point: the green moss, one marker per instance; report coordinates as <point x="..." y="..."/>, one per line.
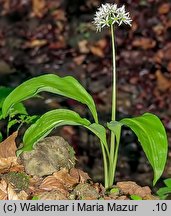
<point x="19" y="180"/>
<point x="114" y="191"/>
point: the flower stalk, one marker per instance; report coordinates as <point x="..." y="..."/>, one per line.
<point x="109" y="15"/>
<point x="113" y="117"/>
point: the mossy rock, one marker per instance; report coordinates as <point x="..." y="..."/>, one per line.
<point x="19" y="180"/>
<point x="84" y="191"/>
<point x="49" y="155"/>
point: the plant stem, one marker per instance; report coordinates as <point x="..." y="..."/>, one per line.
<point x="116" y="155"/>
<point x="105" y="166"/>
<point x="114" y="76"/>
<point x="113" y="117"/>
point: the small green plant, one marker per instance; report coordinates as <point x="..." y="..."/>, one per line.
<point x="164" y="192"/>
<point x="35" y="198"/>
<point x="135" y="197"/>
<point x="17" y="115"/>
<point x="148" y="127"/>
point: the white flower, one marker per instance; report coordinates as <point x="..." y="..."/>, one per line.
<point x="109" y="14"/>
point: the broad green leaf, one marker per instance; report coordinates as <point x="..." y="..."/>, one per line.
<point x="164" y="192"/>
<point x="47" y="122"/>
<point x="55" y="118"/>
<point x="168" y="182"/>
<point x="152" y="136"/>
<point x="17" y="108"/>
<point x="65" y="86"/>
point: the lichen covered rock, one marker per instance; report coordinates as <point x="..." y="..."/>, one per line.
<point x="84" y="192"/>
<point x="49" y="155"/>
<point x="19" y="180"/>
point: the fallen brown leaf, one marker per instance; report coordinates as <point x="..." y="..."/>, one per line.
<point x="3" y="190"/>
<point x="101" y="43"/>
<point x="131" y="188"/>
<point x="144" y="43"/>
<point x="79" y="59"/>
<point x="98" y="51"/>
<point x="51" y="195"/>
<point x="8" y="147"/>
<point x="163" y="83"/>
<point x="7" y="163"/>
<point x="159" y="29"/>
<point x="59" y="15"/>
<point x="34" y="183"/>
<point x="158" y="56"/>
<point x="164" y="8"/>
<point x="50" y="183"/>
<point x="64" y="177"/>
<point x="8" y="159"/>
<point x="60" y="44"/>
<point x="167" y="52"/>
<point x="16" y="167"/>
<point x="13" y="195"/>
<point x="78" y="174"/>
<point x="83" y="46"/>
<point x="35" y="43"/>
<point x="38" y="7"/>
<point x="98" y="48"/>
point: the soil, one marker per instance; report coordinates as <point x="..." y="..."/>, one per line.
<point x="38" y="37"/>
<point x="48" y="173"/>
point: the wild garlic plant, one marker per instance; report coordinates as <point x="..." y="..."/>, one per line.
<point x="148" y="127"/>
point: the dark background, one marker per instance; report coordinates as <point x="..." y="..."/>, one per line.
<point x="57" y="36"/>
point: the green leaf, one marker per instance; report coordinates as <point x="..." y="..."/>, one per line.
<point x="114" y="191"/>
<point x="11" y="123"/>
<point x="168" y="182"/>
<point x="152" y="136"/>
<point x="165" y="191"/>
<point x="115" y="127"/>
<point x="65" y="86"/>
<point x="1" y="117"/>
<point x="17" y="108"/>
<point x="47" y="122"/>
<point x="35" y="198"/>
<point x="1" y="137"/>
<point x="28" y="119"/>
<point x="55" y="118"/>
<point x="135" y="197"/>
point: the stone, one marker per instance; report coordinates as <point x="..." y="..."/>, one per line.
<point x="84" y="192"/>
<point x="49" y="155"/>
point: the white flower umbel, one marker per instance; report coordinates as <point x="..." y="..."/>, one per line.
<point x="109" y="14"/>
